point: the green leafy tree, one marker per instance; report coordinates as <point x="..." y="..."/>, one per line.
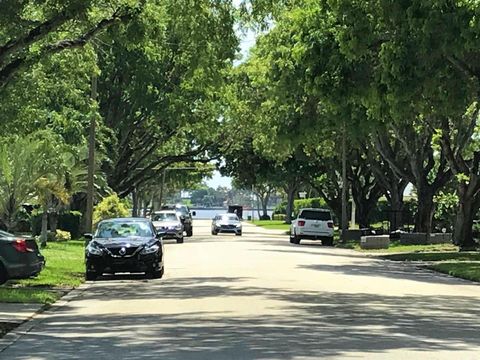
<point x="30" y="30"/>
<point x="158" y="87"/>
<point x="110" y="207"/>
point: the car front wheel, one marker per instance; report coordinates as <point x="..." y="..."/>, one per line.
<point x="180" y="240"/>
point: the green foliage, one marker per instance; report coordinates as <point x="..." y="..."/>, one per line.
<point x="30" y="170"/>
<point x="110" y="207"/>
<point x="276" y="216"/>
<point x="61" y="235"/>
<point x="446" y="205"/>
<point x="70" y="221"/>
<point x="300" y="204"/>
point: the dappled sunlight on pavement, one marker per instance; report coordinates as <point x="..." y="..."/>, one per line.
<point x="259" y="297"/>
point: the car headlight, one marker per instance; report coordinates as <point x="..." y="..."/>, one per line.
<point x="94" y="249"/>
<point x="150" y="249"/>
<point x="238" y="225"/>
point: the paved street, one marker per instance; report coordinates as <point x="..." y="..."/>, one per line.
<point x="259" y="297"/>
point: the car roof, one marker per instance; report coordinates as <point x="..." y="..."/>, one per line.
<point x="172" y="211"/>
<point x="127" y="219"/>
<point x="315" y="209"/>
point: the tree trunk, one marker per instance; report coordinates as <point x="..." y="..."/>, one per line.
<point x="291" y="197"/>
<point x="467" y="209"/>
<point x="53" y="220"/>
<point x="396" y="205"/>
<point x="425" y="209"/>
<point x="135" y="203"/>
<point x="44" y="232"/>
<point x="265" y="204"/>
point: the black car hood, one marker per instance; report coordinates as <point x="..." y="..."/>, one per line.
<point x="123" y="242"/>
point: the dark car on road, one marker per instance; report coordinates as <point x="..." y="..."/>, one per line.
<point x="20" y="258"/>
<point x="168" y="224"/>
<point x="124" y="245"/>
<point x="185" y="216"/>
<point x="226" y="223"/>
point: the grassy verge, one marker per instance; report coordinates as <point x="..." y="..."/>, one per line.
<point x="465" y="265"/>
<point x="396" y="247"/>
<point x="64" y="270"/>
<point x="462" y="269"/>
<point x="272" y="224"/>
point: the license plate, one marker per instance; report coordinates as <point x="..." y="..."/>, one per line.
<point x="315" y="225"/>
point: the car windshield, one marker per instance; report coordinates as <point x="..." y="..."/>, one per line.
<point x="165" y="217"/>
<point x="315" y="215"/>
<point x="230" y="217"/>
<point x="116" y="229"/>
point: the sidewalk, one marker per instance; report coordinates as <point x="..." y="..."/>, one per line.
<point x="17" y="313"/>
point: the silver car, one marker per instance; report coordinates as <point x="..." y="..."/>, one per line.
<point x="168" y="224"/>
<point x="226" y="223"/>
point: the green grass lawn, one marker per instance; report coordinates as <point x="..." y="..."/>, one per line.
<point x="465" y="265"/>
<point x="272" y="224"/>
<point x="396" y="247"/>
<point x="64" y="270"/>
<point x="461" y="269"/>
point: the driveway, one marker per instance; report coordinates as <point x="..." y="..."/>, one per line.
<point x="259" y="297"/>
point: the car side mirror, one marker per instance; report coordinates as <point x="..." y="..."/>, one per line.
<point x="88" y="236"/>
<point x="194" y="213"/>
<point x="159" y="236"/>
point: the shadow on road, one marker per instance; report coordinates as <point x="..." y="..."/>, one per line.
<point x="312" y="324"/>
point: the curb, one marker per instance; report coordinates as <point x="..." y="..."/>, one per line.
<point x="26" y="326"/>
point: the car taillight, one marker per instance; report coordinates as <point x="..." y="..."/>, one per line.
<point x="301" y="223"/>
<point x="330" y="225"/>
<point x="21" y="246"/>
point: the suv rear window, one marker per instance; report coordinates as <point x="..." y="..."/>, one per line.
<point x="315" y="215"/>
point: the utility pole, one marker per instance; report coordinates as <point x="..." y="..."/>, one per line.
<point x="91" y="161"/>
<point x="344" y="183"/>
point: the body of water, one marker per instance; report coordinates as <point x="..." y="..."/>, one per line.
<point x="210" y="213"/>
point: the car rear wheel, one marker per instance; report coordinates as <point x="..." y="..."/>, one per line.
<point x="327" y="241"/>
<point x="190" y="232"/>
<point x="91" y="276"/>
<point x="294" y="239"/>
<point x="3" y="274"/>
<point x="214" y="232"/>
<point x="238" y="234"/>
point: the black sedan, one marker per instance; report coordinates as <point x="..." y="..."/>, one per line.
<point x="124" y="245"/>
<point x="19" y="257"/>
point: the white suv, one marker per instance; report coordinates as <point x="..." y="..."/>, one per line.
<point x="313" y="224"/>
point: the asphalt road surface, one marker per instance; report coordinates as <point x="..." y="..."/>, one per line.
<point x="259" y="297"/>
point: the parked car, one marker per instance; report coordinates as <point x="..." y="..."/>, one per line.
<point x="185" y="216"/>
<point x="124" y="245"/>
<point x="226" y="223"/>
<point x="168" y="224"/>
<point x="20" y="258"/>
<point x="312" y="224"/>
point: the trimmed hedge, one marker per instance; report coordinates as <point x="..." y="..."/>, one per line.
<point x="298" y="204"/>
<point x="69" y="221"/>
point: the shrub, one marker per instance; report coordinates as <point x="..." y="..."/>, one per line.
<point x="110" y="207"/>
<point x="280" y="217"/>
<point x="70" y="221"/>
<point x="63" y="235"/>
<point x="308" y="203"/>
